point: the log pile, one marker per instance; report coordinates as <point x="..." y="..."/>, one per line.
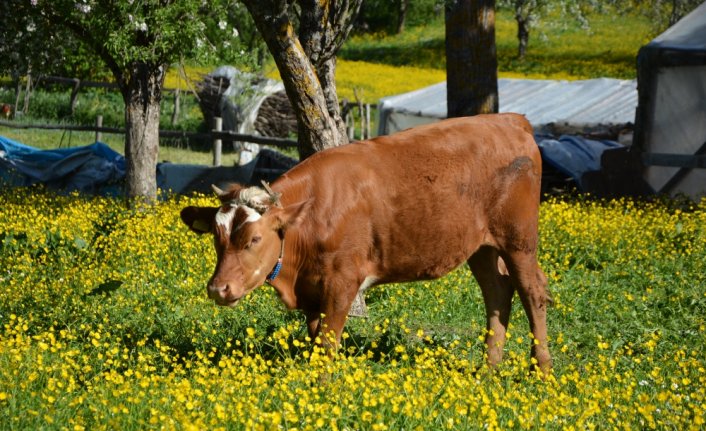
<point x="275" y="117"/>
<point x="210" y="91"/>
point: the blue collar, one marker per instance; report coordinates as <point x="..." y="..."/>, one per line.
<point x="278" y="266"/>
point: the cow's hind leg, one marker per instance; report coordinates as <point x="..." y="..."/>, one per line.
<point x="497" y="294"/>
<point x="530" y="283"/>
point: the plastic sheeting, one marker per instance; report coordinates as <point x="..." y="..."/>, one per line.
<point x="671" y="114"/>
<point x="574" y="155"/>
<point x="584" y="103"/>
<point x="85" y="169"/>
<point x="97" y="169"/>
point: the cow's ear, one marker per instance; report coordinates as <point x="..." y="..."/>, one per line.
<point x="199" y="219"/>
<point x="291" y="215"/>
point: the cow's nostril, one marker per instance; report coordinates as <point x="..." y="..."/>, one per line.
<point x="218" y="289"/>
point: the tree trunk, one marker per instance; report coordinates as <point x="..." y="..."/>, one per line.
<point x="471" y="62"/>
<point x="522" y="35"/>
<point x="327" y="77"/>
<point x="402" y="15"/>
<point x="317" y="129"/>
<point x="142" y="94"/>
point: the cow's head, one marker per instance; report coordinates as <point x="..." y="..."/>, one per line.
<point x="248" y="230"/>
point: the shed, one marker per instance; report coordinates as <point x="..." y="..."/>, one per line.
<point x="670" y="121"/>
<point x="582" y="104"/>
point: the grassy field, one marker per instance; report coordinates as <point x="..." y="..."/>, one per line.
<point x="105" y="324"/>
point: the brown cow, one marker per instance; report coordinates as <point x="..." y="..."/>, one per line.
<point x="411" y="206"/>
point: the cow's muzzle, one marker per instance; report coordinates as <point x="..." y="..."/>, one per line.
<point x="222" y="294"/>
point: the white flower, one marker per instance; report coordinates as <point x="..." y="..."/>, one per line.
<point x="235" y="32"/>
<point x="85" y="8"/>
<point x="141" y="26"/>
<point x="222" y="25"/>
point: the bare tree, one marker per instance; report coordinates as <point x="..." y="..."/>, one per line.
<point x="403" y="7"/>
<point x="471" y="60"/>
<point x="306" y="60"/>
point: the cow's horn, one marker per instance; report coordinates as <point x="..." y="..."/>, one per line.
<point x="217" y="191"/>
<point x="274" y="197"/>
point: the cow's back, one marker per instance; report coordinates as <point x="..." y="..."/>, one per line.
<point x="418" y="203"/>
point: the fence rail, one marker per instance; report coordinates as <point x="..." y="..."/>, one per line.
<point x="216" y="136"/>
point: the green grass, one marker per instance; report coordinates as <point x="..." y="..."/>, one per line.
<point x="173" y="152"/>
<point x="105" y="324"/>
<point x="557" y="49"/>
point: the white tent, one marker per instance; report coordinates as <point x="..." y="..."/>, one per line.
<point x="670" y="123"/>
<point x="585" y="103"/>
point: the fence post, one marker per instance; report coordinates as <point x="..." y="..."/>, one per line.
<point x="217" y="143"/>
<point x="177" y="102"/>
<point x="99" y="124"/>
<point x="74" y="95"/>
<point x="367" y="121"/>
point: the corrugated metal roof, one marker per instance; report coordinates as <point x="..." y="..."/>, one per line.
<point x="603" y="101"/>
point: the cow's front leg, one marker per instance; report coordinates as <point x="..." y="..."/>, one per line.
<point x="335" y="305"/>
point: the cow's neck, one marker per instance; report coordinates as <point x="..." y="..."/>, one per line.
<point x="286" y="278"/>
<point x="292" y="254"/>
<point x="278" y="266"/>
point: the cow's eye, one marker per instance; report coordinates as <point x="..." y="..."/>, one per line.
<point x="255" y="240"/>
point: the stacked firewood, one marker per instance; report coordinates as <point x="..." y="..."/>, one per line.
<point x="276" y="117"/>
<point x="210" y="91"/>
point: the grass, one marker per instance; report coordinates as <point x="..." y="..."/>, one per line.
<point x="559" y="48"/>
<point x="104" y="324"/>
<point x="50" y="139"/>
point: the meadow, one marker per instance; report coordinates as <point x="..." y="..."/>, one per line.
<point x="105" y="324"/>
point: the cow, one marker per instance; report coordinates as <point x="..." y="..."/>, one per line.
<point x="409" y="206"/>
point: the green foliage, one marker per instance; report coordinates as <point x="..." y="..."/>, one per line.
<point x="383" y="15"/>
<point x="89" y="39"/>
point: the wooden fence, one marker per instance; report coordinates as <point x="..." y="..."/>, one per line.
<point x="216" y="135"/>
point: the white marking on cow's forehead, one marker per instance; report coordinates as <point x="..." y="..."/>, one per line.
<point x="252" y="216"/>
<point x="254" y="201"/>
<point x="224" y="218"/>
<point x="226" y="215"/>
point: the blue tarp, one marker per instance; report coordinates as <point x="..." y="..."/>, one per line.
<point x="98" y="169"/>
<point x="85" y="169"/>
<point x="574" y="155"/>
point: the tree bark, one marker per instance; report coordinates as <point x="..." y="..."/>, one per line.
<point x="402" y="15"/>
<point x="471" y="61"/>
<point x="307" y="63"/>
<point x="522" y="35"/>
<point x="142" y="94"/>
